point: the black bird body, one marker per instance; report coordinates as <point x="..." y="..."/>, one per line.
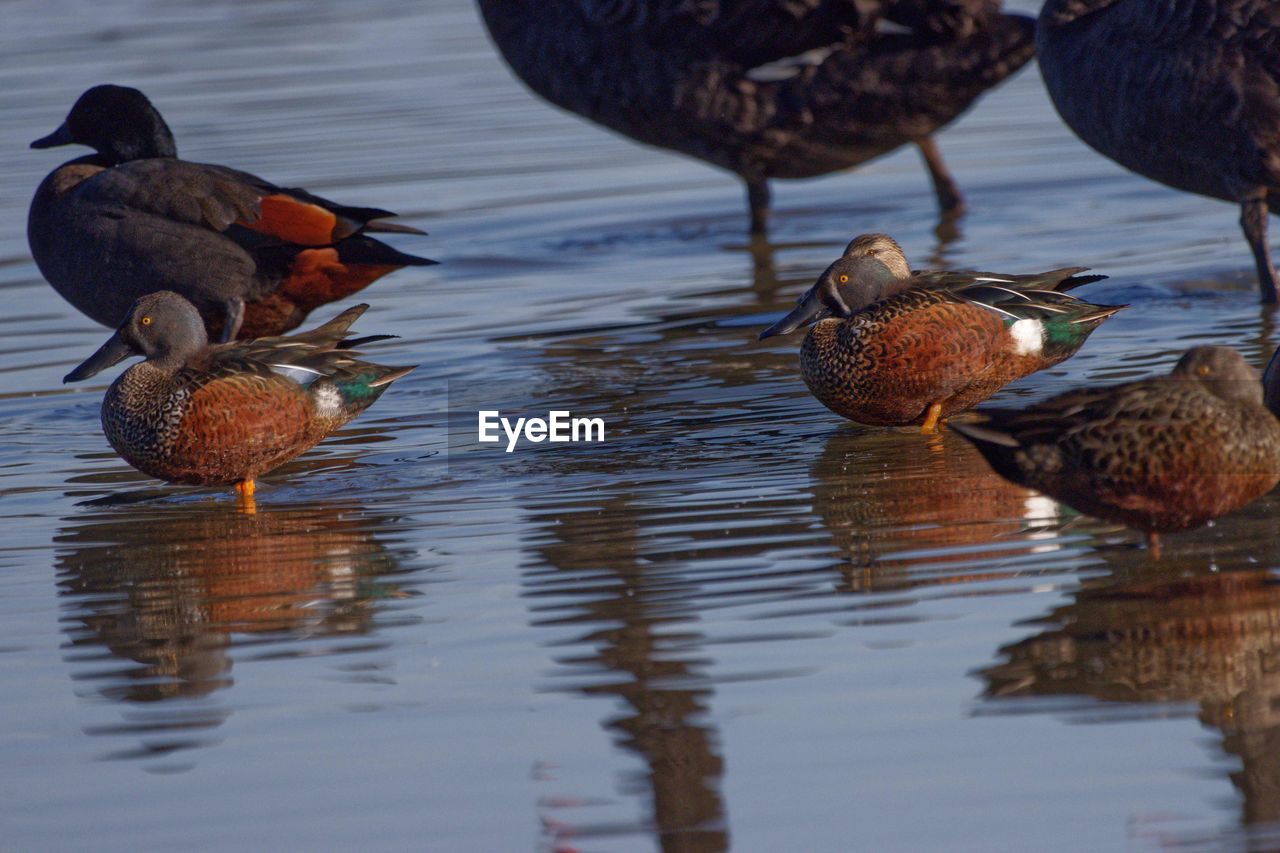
<point x="131" y="219"/>
<point x="688" y="76"/>
<point x="1184" y="92"/>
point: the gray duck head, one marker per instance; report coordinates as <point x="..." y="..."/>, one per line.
<point x="163" y="327"/>
<point x="872" y="267"/>
<point x="1223" y="372"/>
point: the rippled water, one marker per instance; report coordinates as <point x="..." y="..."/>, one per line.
<point x="738" y="622"/>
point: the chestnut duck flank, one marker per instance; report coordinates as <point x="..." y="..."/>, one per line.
<point x="132" y="219"/>
<point x="892" y="347"/>
<point x="767" y="88"/>
<point x="1184" y="92"/>
<point x="1159" y="455"/>
<point x="218" y="414"/>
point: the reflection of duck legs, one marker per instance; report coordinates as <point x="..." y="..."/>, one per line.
<point x="1145" y="635"/>
<point x="169" y="588"/>
<point x="939" y="499"/>
<point x="656" y="665"/>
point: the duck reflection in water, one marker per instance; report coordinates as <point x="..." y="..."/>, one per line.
<point x="935" y="515"/>
<point x="174" y="591"/>
<point x="630" y="611"/>
<point x="1206" y="630"/>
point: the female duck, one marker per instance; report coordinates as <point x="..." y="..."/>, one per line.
<point x="132" y="219"/>
<point x="1185" y="92"/>
<point x="766" y="88"/>
<point x="1160" y="455"/>
<point x="214" y="415"/>
<point x="890" y="347"/>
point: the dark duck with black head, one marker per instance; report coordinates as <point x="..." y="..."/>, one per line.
<point x="132" y="219"/>
<point x="1184" y="92"/>
<point x="767" y="88"/>
<point x="893" y="347"/>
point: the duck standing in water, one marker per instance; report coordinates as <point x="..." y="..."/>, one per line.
<point x="1159" y="455"/>
<point x="1184" y="92"/>
<point x="892" y="347"/>
<point x="133" y="219"/>
<point x="223" y="414"/>
<point x="694" y="77"/>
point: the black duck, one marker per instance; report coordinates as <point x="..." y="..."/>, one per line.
<point x="1185" y="92"/>
<point x="702" y="77"/>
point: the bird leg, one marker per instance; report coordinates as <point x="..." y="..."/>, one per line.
<point x="931" y="418"/>
<point x="1153" y="544"/>
<point x="245" y="489"/>
<point x="1253" y="221"/>
<point x="950" y="201"/>
<point x="758" y="201"/>
<point x="231" y="324"/>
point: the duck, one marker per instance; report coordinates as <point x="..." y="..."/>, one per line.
<point x="767" y="88"/>
<point x="1159" y="455"/>
<point x="891" y="347"/>
<point x="132" y="219"/>
<point x="197" y="413"/>
<point x="1184" y="92"/>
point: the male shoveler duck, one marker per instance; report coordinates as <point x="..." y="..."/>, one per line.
<point x="767" y="88"/>
<point x="215" y="415"/>
<point x="1184" y="92"/>
<point x="1160" y="455"/>
<point x="132" y="219"/>
<point x="892" y="347"/>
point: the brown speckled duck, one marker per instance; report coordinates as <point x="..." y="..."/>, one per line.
<point x="766" y="88"/>
<point x="1160" y="455"/>
<point x="132" y="219"/>
<point x="892" y="347"/>
<point x="214" y="415"/>
<point x="1185" y="92"/>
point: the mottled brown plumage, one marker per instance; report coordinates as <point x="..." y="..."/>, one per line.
<point x="1160" y="455"/>
<point x="723" y="80"/>
<point x="1185" y="92"/>
<point x="890" y="347"/>
<point x="211" y="415"/>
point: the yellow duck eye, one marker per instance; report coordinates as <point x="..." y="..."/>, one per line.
<point x="146" y="321"/>
<point x="1203" y="370"/>
<point x="843" y="279"/>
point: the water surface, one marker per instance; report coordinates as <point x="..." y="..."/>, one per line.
<point x="738" y="622"/>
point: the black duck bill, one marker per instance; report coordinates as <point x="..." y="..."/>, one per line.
<point x="816" y="304"/>
<point x="847" y="286"/>
<point x="114" y="351"/>
<point x="61" y="136"/>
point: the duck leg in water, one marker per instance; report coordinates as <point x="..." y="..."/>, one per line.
<point x="950" y="201"/>
<point x="1253" y="221"/>
<point x="758" y="201"/>
<point x="931" y="418"/>
<point x="245" y="490"/>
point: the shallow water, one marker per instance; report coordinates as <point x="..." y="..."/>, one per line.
<point x="738" y="622"/>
